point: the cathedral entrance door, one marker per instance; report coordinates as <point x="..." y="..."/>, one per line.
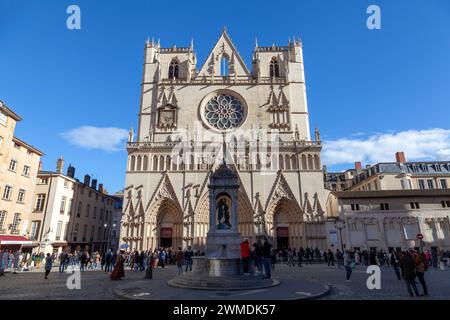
<point x="282" y="237"/>
<point x="166" y="237"/>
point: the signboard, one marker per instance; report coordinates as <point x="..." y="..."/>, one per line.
<point x="419" y="236"/>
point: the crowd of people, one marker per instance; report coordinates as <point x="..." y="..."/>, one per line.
<point x="260" y="257"/>
<point x="408" y="265"/>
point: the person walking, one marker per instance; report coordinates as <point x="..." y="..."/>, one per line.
<point x="118" y="272"/>
<point x="394" y="261"/>
<point x="2" y="265"/>
<point x="339" y="258"/>
<point x="179" y="260"/>
<point x="108" y="260"/>
<point x="103" y="261"/>
<point x="267" y="254"/>
<point x="245" y="255"/>
<point x="300" y="254"/>
<point x="150" y="265"/>
<point x="258" y="254"/>
<point x="62" y="261"/>
<point x="83" y="261"/>
<point x="330" y="257"/>
<point x="188" y="254"/>
<point x="347" y="265"/>
<point x="409" y="273"/>
<point x="420" y="261"/>
<point x="48" y="265"/>
<point x="162" y="258"/>
<point x="16" y="261"/>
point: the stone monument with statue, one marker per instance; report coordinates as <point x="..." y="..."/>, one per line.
<point x="220" y="268"/>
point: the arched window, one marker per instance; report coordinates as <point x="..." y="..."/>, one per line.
<point x="287" y="161"/>
<point x="310" y="162"/>
<point x="294" y="162"/>
<point x="155" y="163"/>
<point x="161" y="163"/>
<point x="316" y="162"/>
<point x="192" y="163"/>
<point x="224" y="66"/>
<point x="173" y="69"/>
<point x="304" y="163"/>
<point x="132" y="163"/>
<point x="139" y="163"/>
<point x="281" y="162"/>
<point x="168" y="163"/>
<point x="145" y="164"/>
<point x="274" y="68"/>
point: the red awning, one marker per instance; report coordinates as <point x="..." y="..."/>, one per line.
<point x="9" y="239"/>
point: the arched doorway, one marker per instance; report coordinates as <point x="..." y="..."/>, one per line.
<point x="166" y="225"/>
<point x="284" y="223"/>
<point x="281" y="228"/>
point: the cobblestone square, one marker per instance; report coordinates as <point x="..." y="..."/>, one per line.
<point x="95" y="284"/>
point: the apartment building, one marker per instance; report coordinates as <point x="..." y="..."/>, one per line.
<point x="19" y="164"/>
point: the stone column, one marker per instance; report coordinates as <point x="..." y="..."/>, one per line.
<point x="212" y="211"/>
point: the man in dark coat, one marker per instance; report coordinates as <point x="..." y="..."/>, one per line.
<point x="408" y="268"/>
<point x="267" y="253"/>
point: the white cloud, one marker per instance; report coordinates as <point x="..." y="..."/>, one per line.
<point x="95" y="138"/>
<point x="418" y="145"/>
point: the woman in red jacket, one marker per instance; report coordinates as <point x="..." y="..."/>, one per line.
<point x="245" y="255"/>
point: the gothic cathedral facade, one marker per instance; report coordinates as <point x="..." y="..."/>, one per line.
<point x="185" y="116"/>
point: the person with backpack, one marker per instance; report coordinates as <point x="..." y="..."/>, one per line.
<point x="420" y="261"/>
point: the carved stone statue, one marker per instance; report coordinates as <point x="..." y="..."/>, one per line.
<point x="317" y="134"/>
<point x="223" y="215"/>
<point x="130" y="135"/>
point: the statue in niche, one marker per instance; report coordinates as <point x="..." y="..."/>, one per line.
<point x="223" y="214"/>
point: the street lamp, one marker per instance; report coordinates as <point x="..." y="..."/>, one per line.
<point x="340" y="224"/>
<point x="109" y="234"/>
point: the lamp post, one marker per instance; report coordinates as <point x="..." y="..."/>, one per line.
<point x="339" y="224"/>
<point x="109" y="235"/>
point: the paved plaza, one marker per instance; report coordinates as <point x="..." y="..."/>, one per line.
<point x="310" y="281"/>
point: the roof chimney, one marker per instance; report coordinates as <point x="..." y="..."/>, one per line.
<point x="400" y="157"/>
<point x="358" y="166"/>
<point x="100" y="188"/>
<point x="87" y="180"/>
<point x="41" y="165"/>
<point x="60" y="164"/>
<point x="94" y="184"/>
<point x="71" y="171"/>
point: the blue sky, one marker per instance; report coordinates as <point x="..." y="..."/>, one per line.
<point x="371" y="92"/>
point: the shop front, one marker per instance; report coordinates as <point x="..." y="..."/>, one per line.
<point x="14" y="243"/>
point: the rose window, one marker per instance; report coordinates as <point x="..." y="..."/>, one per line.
<point x="224" y="112"/>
